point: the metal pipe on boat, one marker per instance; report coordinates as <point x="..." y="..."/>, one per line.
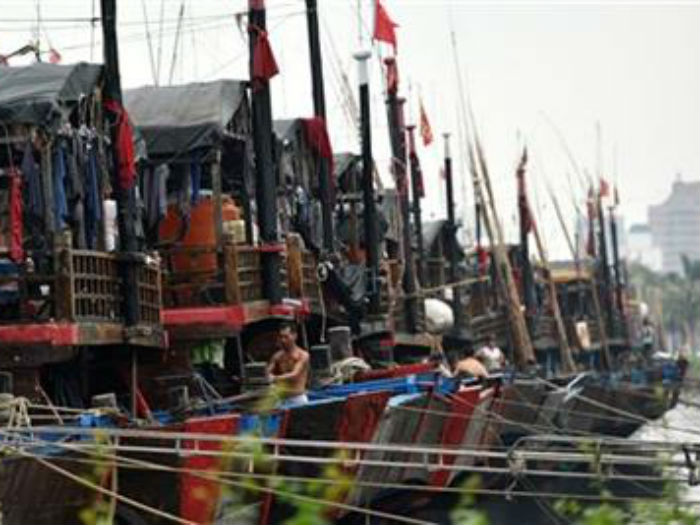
<point x="416" y="190"/>
<point x="370" y="211"/>
<point x="452" y="244"/>
<point x="265" y="179"/>
<point x="320" y="112"/>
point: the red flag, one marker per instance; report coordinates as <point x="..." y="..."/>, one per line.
<point x="426" y="132"/>
<point x="124" y="145"/>
<point x="317" y="136"/>
<point x="604" y="188"/>
<point x="384" y="26"/>
<point x="264" y="63"/>
<point x="54" y="56"/>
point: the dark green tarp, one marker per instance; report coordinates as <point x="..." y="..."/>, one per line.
<point x="175" y="120"/>
<point x="43" y="94"/>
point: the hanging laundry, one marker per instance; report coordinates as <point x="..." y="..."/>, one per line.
<point x="75" y="191"/>
<point x="32" y="183"/>
<point x="60" y="205"/>
<point x="124" y="143"/>
<point x="93" y="209"/>
<point x="156" y="196"/>
<point x="16" y="233"/>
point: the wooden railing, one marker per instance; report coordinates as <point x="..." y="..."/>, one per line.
<point x="80" y="286"/>
<point x="205" y="275"/>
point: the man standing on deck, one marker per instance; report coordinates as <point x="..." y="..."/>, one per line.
<point x="289" y="367"/>
<point x="491" y="356"/>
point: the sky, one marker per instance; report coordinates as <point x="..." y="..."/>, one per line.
<point x="541" y="74"/>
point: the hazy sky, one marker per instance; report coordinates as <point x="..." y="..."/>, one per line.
<point x="530" y="68"/>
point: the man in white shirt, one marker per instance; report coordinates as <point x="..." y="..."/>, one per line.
<point x="491" y="356"/>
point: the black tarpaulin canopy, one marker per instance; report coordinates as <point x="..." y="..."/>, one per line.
<point x="43" y="94"/>
<point x="175" y="120"/>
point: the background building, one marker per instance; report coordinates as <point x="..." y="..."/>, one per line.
<point x="640" y="248"/>
<point x="675" y="225"/>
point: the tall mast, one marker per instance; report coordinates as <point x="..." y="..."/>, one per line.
<point x="320" y="112"/>
<point x="397" y="135"/>
<point x="128" y="241"/>
<point x="605" y="268"/>
<point x="370" y="211"/>
<point x="523" y="350"/>
<point x="416" y="190"/>
<point x="452" y="244"/>
<point x="525" y="226"/>
<point x="617" y="271"/>
<point x="265" y="179"/>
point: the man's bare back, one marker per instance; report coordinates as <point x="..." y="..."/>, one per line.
<point x="289" y="366"/>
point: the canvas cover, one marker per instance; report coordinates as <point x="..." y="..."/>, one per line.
<point x="175" y="120"/>
<point x="43" y="94"/>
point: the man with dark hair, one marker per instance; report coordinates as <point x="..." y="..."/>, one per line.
<point x="289" y="367"/>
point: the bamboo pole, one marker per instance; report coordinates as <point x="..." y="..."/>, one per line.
<point x="523" y="349"/>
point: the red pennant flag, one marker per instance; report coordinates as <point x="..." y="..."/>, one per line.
<point x="264" y="63"/>
<point x="54" y="56"/>
<point x="426" y="132"/>
<point x="384" y="26"/>
<point x="604" y="188"/>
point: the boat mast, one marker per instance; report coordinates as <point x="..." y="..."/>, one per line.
<point x="370" y="211"/>
<point x="397" y="136"/>
<point x="319" y="99"/>
<point x="526" y="225"/>
<point x="266" y="181"/>
<point x="416" y="190"/>
<point x="452" y="242"/>
<point x="128" y="241"/>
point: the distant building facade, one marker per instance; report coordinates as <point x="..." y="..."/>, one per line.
<point x="640" y="248"/>
<point x="675" y="225"/>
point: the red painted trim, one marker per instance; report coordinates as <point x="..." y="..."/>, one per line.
<point x="234" y="316"/>
<point x="387" y="342"/>
<point x="282" y="309"/>
<point x="54" y="334"/>
<point x="272" y="248"/>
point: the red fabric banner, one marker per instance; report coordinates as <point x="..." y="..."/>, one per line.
<point x="124" y="145"/>
<point x="199" y="497"/>
<point x="264" y="63"/>
<point x="317" y="136"/>
<point x="384" y="26"/>
<point x="604" y="188"/>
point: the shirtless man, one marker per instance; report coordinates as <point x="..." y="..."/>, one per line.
<point x="289" y="367"/>
<point x="470" y="366"/>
